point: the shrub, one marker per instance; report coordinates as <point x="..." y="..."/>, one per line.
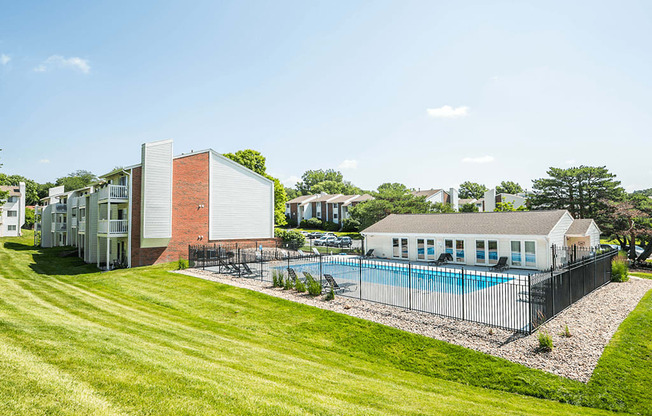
<point x="287" y="285"/>
<point x="314" y="287"/>
<point x="291" y="238"/>
<point x="277" y="279"/>
<point x="312" y="223"/>
<point x="619" y="269"/>
<point x="330" y="226"/>
<point x="545" y="341"/>
<point x="351" y="225"/>
<point x="300" y="286"/>
<point x="183" y="264"/>
<point x="290" y="222"/>
<point x="567" y="332"/>
<point x="331" y="294"/>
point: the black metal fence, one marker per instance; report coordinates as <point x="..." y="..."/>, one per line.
<point x="512" y="300"/>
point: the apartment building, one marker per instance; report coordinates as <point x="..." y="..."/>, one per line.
<point x="440" y="196"/>
<point x="12" y="211"/>
<point x="491" y="198"/>
<point x="326" y="207"/>
<point x="150" y="212"/>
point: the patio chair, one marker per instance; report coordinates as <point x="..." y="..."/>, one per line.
<point x="344" y="287"/>
<point x="501" y="265"/>
<point x="247" y="270"/>
<point x="226" y="266"/>
<point x="369" y="253"/>
<point x="293" y="275"/>
<point x="316" y="252"/>
<point x="302" y="253"/>
<point x="443" y="259"/>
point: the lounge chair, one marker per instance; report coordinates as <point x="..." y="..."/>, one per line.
<point x="247" y="270"/>
<point x="292" y="275"/>
<point x="225" y="265"/>
<point x="501" y="265"/>
<point x="443" y="259"/>
<point x="317" y="253"/>
<point x="370" y="253"/>
<point x="344" y="287"/>
<point x="302" y="253"/>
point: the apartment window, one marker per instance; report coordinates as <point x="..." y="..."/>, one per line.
<point x="530" y="254"/>
<point x="421" y="250"/>
<point x="12" y="213"/>
<point x="493" y="251"/>
<point x="459" y="251"/>
<point x="516" y="253"/>
<point x="11" y="228"/>
<point x="480" y="252"/>
<point x="431" y="249"/>
<point x="12" y="199"/>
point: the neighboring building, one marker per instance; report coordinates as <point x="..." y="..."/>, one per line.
<point x="12" y="212"/>
<point x="440" y="196"/>
<point x="326" y="207"/>
<point x="490" y="200"/>
<point x="150" y="212"/>
<point x="524" y="237"/>
<point x="479" y="203"/>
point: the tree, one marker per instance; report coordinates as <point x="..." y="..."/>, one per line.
<point x="43" y="189"/>
<point x="312" y="177"/>
<point x="504" y="207"/>
<point x="472" y="190"/>
<point x="442" y="208"/>
<point x="76" y="180"/>
<point x="390" y="198"/>
<point x="291" y="193"/>
<point x="645" y="192"/>
<point x="583" y="191"/>
<point x="470" y="207"/>
<point x="255" y="161"/>
<point x="333" y="187"/>
<point x="3" y="194"/>
<point x="629" y="220"/>
<point x="29" y="219"/>
<point x="31" y="187"/>
<point x="509" y="187"/>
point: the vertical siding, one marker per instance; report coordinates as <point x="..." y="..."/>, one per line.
<point x="558" y="234"/>
<point x="157" y="190"/>
<point x="92" y="212"/>
<point x="46" y="226"/>
<point x="241" y="202"/>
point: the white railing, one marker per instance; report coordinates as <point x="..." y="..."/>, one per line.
<point x="81" y="202"/>
<point x="112" y="227"/>
<point x="117" y="192"/>
<point x="81" y="227"/>
<point x="58" y="227"/>
<point x="73" y="222"/>
<point x="60" y="208"/>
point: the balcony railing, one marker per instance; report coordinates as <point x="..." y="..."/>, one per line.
<point x="117" y="193"/>
<point x="73" y="222"/>
<point x="112" y="227"/>
<point x="81" y="227"/>
<point x="58" y="227"/>
<point x="60" y="208"/>
<point x="81" y="202"/>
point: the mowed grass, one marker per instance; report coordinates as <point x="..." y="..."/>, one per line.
<point x="641" y="275"/>
<point x="144" y="341"/>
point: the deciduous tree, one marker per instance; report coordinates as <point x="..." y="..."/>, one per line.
<point x="472" y="190"/>
<point x="509" y="187"/>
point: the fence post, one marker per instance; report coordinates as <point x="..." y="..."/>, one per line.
<point x="529" y="299"/>
<point x="239" y="265"/>
<point x="552" y="289"/>
<point x="463" y="315"/>
<point x="189" y="258"/>
<point x="409" y="285"/>
<point x="360" y="270"/>
<point x="203" y="265"/>
<point x="570" y="284"/>
<point x="320" y="271"/>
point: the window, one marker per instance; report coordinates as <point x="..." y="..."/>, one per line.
<point x="421" y="251"/>
<point x="493" y="251"/>
<point x="404" y="248"/>
<point x="459" y="251"/>
<point x="400" y="248"/>
<point x="11" y="228"/>
<point x="516" y="253"/>
<point x="530" y="254"/>
<point x="12" y="213"/>
<point x="480" y="253"/>
<point x="431" y="249"/>
<point x="396" y="249"/>
<point x="12" y="199"/>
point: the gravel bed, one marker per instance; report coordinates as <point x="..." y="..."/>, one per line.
<point x="592" y="321"/>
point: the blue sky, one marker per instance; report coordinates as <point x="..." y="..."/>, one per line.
<point x="426" y="93"/>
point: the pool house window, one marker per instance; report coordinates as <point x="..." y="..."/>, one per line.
<point x="448" y="247"/>
<point x="431" y="249"/>
<point x="516" y="253"/>
<point x="530" y="254"/>
<point x="459" y="251"/>
<point x="400" y="248"/>
<point x="493" y="251"/>
<point x="404" y="248"/>
<point x="480" y="252"/>
<point x="421" y="250"/>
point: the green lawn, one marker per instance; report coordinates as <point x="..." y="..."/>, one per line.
<point x="144" y="341"/>
<point x="641" y="274"/>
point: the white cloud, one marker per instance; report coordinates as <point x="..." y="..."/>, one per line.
<point x="448" y="112"/>
<point x="479" y="159"/>
<point x="4" y="59"/>
<point x="57" y="61"/>
<point x="348" y="164"/>
<point x="44" y="161"/>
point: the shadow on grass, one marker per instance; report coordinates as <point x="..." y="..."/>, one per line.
<point x="53" y="261"/>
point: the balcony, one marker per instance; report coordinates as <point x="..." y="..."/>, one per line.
<point x="81" y="202"/>
<point x="114" y="193"/>
<point x="81" y="227"/>
<point x="58" y="227"/>
<point x="73" y="222"/>
<point x="59" y="208"/>
<point x="113" y="228"/>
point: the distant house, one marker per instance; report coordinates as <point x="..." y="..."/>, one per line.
<point x="326" y="207"/>
<point x="440" y="196"/>
<point x="489" y="201"/>
<point x="480" y="239"/>
<point x="12" y="212"/>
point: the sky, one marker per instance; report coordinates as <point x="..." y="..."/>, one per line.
<point x="425" y="93"/>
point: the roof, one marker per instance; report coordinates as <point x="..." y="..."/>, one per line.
<point x="361" y="198"/>
<point x="300" y="199"/>
<point x="326" y="198"/>
<point x="12" y="189"/>
<point x="343" y="198"/>
<point x="484" y="223"/>
<point x="427" y="193"/>
<point x="580" y="227"/>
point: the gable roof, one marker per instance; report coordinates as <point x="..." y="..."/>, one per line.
<point x="580" y="227"/>
<point x="13" y="190"/>
<point x="301" y="198"/>
<point x="427" y="193"/>
<point x="485" y="223"/>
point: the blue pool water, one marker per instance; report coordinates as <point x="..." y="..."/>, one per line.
<point x="388" y="274"/>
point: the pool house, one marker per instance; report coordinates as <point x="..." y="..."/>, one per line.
<point x="526" y="238"/>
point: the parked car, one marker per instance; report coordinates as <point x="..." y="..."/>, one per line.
<point x="331" y="241"/>
<point x="343" y="242"/>
<point x="639" y="250"/>
<point x="609" y="246"/>
<point x="330" y="235"/>
<point x="305" y="233"/>
<point x="314" y="235"/>
<point x="321" y="241"/>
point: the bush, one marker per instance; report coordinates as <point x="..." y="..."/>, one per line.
<point x="291" y="238"/>
<point x="331" y="294"/>
<point x="545" y="341"/>
<point x="300" y="286"/>
<point x="350" y="225"/>
<point x="330" y="226"/>
<point x="277" y="279"/>
<point x="312" y="223"/>
<point x="287" y="285"/>
<point x="314" y="287"/>
<point x="619" y="269"/>
<point x="183" y="264"/>
<point x="291" y="222"/>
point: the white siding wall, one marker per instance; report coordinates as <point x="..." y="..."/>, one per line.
<point x="6" y="220"/>
<point x="90" y="255"/>
<point x="558" y="234"/>
<point x="241" y="202"/>
<point x="157" y="190"/>
<point x="594" y="233"/>
<point x="46" y="227"/>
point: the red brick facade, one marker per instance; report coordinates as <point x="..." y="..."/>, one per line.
<point x="190" y="189"/>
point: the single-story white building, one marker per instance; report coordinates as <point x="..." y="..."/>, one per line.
<point x="480" y="239"/>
